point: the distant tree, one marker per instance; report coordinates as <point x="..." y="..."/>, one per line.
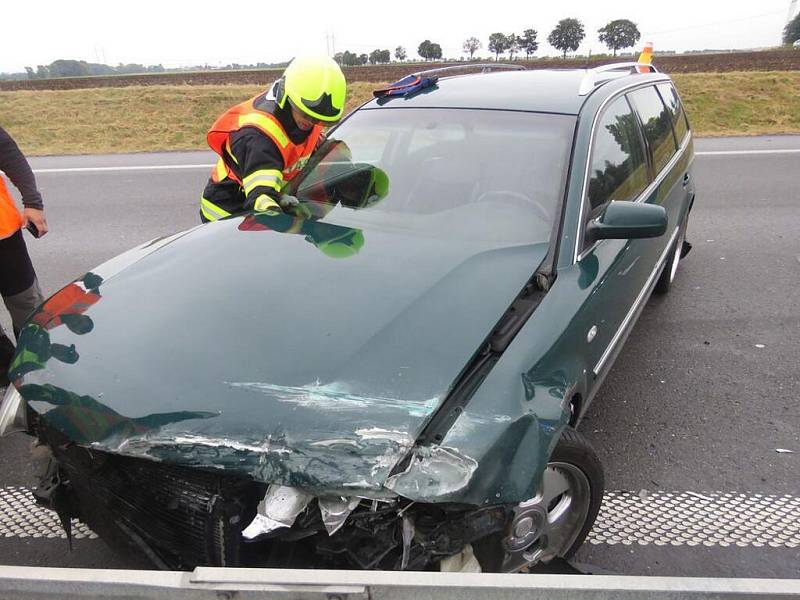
<point x="424" y="49"/>
<point x="100" y="69"/>
<point x="498" y="43"/>
<point x="385" y="56"/>
<point x="339" y="58"/>
<point x="349" y="59"/>
<point x="136" y="68"/>
<point x="471" y="45"/>
<point x="68" y="68"/>
<point x="619" y="34"/>
<point x="31" y="73"/>
<point x="42" y="72"/>
<point x="375" y="57"/>
<point x="567" y="35"/>
<point x="791" y="33"/>
<point x="400" y="53"/>
<point x="429" y="50"/>
<point x="363" y="59"/>
<point x="513" y="45"/>
<point x="528" y="42"/>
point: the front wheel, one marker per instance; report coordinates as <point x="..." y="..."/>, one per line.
<point x="680" y="249"/>
<point x="554" y="523"/>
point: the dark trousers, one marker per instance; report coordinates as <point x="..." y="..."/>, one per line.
<point x="18" y="284"/>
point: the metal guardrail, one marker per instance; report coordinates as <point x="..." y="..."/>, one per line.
<point x="214" y="583"/>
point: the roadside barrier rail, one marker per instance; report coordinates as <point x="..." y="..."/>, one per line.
<point x="219" y="583"/>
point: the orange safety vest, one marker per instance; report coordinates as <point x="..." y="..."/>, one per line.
<point x="10" y="217"/>
<point x="247" y="115"/>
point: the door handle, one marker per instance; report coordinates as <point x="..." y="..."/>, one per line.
<point x="686" y="179"/>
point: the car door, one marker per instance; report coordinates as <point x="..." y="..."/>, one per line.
<point x="683" y="138"/>
<point x="614" y="270"/>
<point x="671" y="176"/>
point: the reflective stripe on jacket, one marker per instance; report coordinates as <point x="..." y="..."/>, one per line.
<point x="10" y="217"/>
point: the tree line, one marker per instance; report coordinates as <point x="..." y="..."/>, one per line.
<point x="81" y="68"/>
<point x="566" y="37"/>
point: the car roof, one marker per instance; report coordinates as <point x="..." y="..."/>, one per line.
<point x="540" y="90"/>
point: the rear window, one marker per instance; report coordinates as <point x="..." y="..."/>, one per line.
<point x="670" y="97"/>
<point x="618" y="167"/>
<point x="657" y="124"/>
<point x="477" y="174"/>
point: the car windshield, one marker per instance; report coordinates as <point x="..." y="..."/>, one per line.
<point x="482" y="175"/>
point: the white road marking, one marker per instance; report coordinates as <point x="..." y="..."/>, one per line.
<point x="745" y="152"/>
<point x="628" y="518"/>
<point x="123" y="168"/>
<point x="210" y="164"/>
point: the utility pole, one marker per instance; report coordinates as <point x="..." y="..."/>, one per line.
<point x="327" y="43"/>
<point x="330" y="43"/>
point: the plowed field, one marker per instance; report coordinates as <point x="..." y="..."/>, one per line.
<point x="767" y="60"/>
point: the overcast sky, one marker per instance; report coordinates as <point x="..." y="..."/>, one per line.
<point x="178" y="33"/>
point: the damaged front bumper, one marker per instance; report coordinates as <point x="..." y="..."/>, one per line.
<point x="370" y="533"/>
<point x="183" y="517"/>
<point x="370" y="499"/>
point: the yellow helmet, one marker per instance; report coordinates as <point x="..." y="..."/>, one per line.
<point x="314" y="85"/>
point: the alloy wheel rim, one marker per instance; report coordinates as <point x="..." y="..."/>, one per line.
<point x="676" y="257"/>
<point x="563" y="501"/>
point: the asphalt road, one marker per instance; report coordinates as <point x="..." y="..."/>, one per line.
<point x="699" y="401"/>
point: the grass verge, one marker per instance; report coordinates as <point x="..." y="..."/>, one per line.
<point x="160" y="118"/>
<point x="746" y="103"/>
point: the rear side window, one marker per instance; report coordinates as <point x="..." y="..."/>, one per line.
<point x="670" y="97"/>
<point x="618" y="167"/>
<point x="657" y="124"/>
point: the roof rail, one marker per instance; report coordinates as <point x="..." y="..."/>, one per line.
<point x="594" y="77"/>
<point x="426" y="80"/>
<point x="484" y="68"/>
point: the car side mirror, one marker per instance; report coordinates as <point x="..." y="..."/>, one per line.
<point x="627" y="220"/>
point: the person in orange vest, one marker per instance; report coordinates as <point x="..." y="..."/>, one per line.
<point x="18" y="284"/>
<point x="264" y="142"/>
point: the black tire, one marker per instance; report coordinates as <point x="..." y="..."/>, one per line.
<point x="575" y="457"/>
<point x="575" y="449"/>
<point x="667" y="276"/>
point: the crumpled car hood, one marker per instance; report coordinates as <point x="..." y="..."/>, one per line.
<point x="243" y="346"/>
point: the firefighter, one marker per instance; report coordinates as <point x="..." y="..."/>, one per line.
<point x="265" y="142"/>
<point x="18" y="284"/>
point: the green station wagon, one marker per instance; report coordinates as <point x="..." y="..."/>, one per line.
<point x="392" y="376"/>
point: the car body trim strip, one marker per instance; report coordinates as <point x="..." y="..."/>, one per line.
<point x="637" y="304"/>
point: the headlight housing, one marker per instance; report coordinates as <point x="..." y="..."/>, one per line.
<point x="13" y="413"/>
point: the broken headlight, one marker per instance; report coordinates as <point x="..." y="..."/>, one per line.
<point x="13" y="415"/>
